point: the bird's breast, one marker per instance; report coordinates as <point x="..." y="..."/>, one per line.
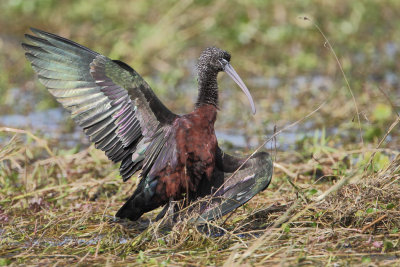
<point x="196" y="141"/>
<point x="196" y="146"/>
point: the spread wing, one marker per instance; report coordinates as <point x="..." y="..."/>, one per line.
<point x="116" y="108"/>
<point x="230" y="190"/>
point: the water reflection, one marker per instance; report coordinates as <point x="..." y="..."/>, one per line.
<point x="51" y="122"/>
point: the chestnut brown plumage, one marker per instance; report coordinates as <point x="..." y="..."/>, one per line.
<point x="178" y="155"/>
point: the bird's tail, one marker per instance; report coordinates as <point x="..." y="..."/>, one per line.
<point x="130" y="211"/>
<point x="136" y="205"/>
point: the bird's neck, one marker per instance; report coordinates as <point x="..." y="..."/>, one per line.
<point x="205" y="115"/>
<point x="208" y="89"/>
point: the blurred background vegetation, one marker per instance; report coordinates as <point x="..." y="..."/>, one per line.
<point x="283" y="58"/>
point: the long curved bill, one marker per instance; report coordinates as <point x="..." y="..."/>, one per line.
<point x="233" y="74"/>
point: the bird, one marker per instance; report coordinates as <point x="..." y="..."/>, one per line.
<point x="178" y="156"/>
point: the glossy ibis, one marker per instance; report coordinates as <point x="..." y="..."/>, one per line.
<point x="178" y="155"/>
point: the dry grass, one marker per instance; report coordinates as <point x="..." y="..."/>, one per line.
<point x="58" y="208"/>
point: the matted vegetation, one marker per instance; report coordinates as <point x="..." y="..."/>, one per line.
<point x="56" y="208"/>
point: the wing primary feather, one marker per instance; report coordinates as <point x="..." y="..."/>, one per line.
<point x="111" y="102"/>
<point x="62" y="84"/>
<point x="61" y="41"/>
<point x="95" y="128"/>
<point x="96" y="138"/>
<point x="99" y="117"/>
<point x="89" y="110"/>
<point x="132" y="136"/>
<point x="54" y="54"/>
<point x="56" y="50"/>
<point x="33" y="49"/>
<point x="120" y="154"/>
<point x="105" y="142"/>
<point x="110" y="145"/>
<point x="79" y="100"/>
<point x="42" y="63"/>
<point x="52" y="74"/>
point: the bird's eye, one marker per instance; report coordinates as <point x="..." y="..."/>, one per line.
<point x="223" y="62"/>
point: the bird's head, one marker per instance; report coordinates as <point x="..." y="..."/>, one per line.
<point x="214" y="60"/>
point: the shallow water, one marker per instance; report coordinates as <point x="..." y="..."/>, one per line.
<point x="51" y="122"/>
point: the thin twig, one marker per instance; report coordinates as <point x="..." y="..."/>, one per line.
<point x="373" y="223"/>
<point x="342" y="71"/>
